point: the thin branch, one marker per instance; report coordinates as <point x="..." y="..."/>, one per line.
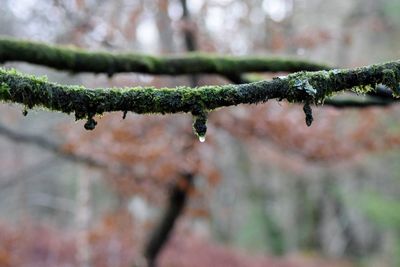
<point x="383" y="92"/>
<point x="237" y="78"/>
<point x="78" y="60"/>
<point x="46" y="144"/>
<point x="380" y="96"/>
<point x="359" y="103"/>
<point x="176" y="204"/>
<point x="25" y="173"/>
<point x="190" y="37"/>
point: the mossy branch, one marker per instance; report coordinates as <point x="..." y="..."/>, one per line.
<point x="77" y="60"/>
<point x="302" y="87"/>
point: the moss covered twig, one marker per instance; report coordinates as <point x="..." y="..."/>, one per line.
<point x="303" y="87"/>
<point x="78" y="60"/>
<point x="380" y="96"/>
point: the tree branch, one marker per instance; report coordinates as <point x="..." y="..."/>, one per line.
<point x="176" y="204"/>
<point x="380" y="96"/>
<point x="47" y="145"/>
<point x="78" y="60"/>
<point x="302" y="87"/>
<point x="190" y="37"/>
<point x="359" y="103"/>
<point x="298" y="87"/>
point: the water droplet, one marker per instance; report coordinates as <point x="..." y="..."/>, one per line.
<point x="300" y="51"/>
<point x="202" y="139"/>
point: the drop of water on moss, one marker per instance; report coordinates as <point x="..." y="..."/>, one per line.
<point x="202" y="139"/>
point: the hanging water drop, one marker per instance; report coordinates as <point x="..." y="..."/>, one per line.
<point x="308" y="112"/>
<point x="200" y="125"/>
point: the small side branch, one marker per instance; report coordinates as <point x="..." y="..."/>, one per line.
<point x="359" y="103"/>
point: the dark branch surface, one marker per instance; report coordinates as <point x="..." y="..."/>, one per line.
<point x="176" y="204"/>
<point x="190" y="37"/>
<point x="78" y="60"/>
<point x="359" y="103"/>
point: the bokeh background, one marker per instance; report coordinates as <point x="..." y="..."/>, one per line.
<point x="268" y="191"/>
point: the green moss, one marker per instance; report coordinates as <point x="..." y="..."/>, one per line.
<point x="391" y="79"/>
<point x="303" y="87"/>
<point x="79" y="60"/>
<point x="362" y="89"/>
<point x="4" y="90"/>
<point x="308" y="86"/>
<point x="200" y="122"/>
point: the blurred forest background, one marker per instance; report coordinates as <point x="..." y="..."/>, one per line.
<point x="268" y="191"/>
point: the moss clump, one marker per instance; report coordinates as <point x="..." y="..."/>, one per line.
<point x="4" y="90"/>
<point x="391" y="79"/>
<point x="304" y="85"/>
<point x="200" y="124"/>
<point x="308" y="87"/>
<point x="363" y="89"/>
